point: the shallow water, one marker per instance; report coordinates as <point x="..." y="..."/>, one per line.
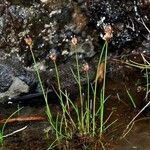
<point x="138" y="138"/>
<point x="35" y="137"/>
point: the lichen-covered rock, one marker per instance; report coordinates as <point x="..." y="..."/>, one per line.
<point x="129" y="20"/>
<point x="59" y="30"/>
<point x="5" y="77"/>
<point x="14" y="78"/>
<point x="68" y="74"/>
<point x="17" y="87"/>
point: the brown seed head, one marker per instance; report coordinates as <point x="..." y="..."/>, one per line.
<point x="28" y="41"/>
<point x="86" y="67"/>
<point x="53" y="57"/>
<point x="108" y="33"/>
<point x="74" y="41"/>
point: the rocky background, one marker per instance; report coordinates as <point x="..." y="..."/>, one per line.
<point x="59" y="29"/>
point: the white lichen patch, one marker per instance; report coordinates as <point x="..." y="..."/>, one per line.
<point x="44" y="1"/>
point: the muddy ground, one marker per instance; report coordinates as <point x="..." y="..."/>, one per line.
<point x="34" y="136"/>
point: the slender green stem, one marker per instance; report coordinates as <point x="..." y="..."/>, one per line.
<point x="76" y="110"/>
<point x="58" y="81"/>
<point x="88" y="105"/>
<point x="80" y="92"/>
<point x="131" y="99"/>
<point x="48" y="111"/>
<point x="38" y="75"/>
<point x="103" y="92"/>
<point x="60" y="95"/>
<point x="41" y="84"/>
<point x="147" y="84"/>
<point x="2" y="130"/>
<point x="95" y="89"/>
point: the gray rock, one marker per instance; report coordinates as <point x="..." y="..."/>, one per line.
<point x="14" y="78"/>
<point x="16" y="87"/>
<point x="5" y="77"/>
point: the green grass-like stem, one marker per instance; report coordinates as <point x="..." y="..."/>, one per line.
<point x="4" y="125"/>
<point x="131" y="99"/>
<point x="95" y="89"/>
<point x="103" y="92"/>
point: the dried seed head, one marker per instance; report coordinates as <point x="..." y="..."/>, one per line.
<point x="53" y="55"/>
<point x="28" y="41"/>
<point x="74" y="41"/>
<point x="86" y="67"/>
<point x="108" y="33"/>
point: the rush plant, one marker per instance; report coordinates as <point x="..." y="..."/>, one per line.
<point x="85" y="116"/>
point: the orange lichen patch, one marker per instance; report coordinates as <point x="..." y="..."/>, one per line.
<point x="79" y="19"/>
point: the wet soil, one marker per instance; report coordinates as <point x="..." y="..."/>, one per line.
<point x="119" y="79"/>
<point x="137" y="138"/>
